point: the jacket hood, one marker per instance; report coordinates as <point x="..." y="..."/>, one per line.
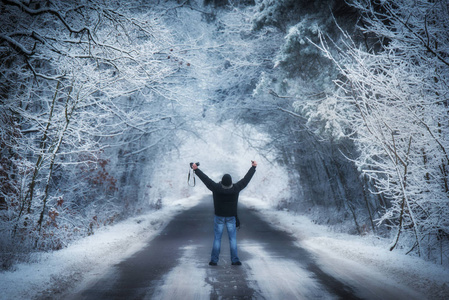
<point x="226" y="181"/>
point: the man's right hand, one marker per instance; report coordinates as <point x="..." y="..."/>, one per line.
<point x="194" y="166"/>
<point x="254" y="163"/>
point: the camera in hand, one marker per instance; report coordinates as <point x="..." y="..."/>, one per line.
<point x="197" y="163"/>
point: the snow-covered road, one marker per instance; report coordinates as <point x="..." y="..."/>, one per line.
<point x="165" y="255"/>
<point x="174" y="265"/>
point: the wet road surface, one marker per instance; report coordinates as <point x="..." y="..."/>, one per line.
<point x="174" y="265"/>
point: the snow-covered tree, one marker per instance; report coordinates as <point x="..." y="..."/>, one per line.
<point x="395" y="103"/>
<point x="77" y="78"/>
<point x="294" y="94"/>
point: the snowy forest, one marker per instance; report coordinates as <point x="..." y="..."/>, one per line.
<point x="103" y="105"/>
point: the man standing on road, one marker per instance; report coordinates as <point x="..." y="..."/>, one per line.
<point x="226" y="196"/>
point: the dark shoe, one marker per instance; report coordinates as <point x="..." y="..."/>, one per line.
<point x="237" y="263"/>
<point x="212" y="263"/>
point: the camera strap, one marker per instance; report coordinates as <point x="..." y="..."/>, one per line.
<point x="193" y="176"/>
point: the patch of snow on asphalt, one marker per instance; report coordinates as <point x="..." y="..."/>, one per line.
<point x="277" y="278"/>
<point x="186" y="280"/>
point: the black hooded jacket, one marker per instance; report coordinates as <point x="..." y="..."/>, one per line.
<point x="226" y="198"/>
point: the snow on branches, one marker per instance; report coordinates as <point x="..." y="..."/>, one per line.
<point x="76" y="79"/>
<point x="395" y="102"/>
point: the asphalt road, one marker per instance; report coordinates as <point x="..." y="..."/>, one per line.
<point x="174" y="265"/>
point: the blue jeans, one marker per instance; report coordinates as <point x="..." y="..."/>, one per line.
<point x="219" y="223"/>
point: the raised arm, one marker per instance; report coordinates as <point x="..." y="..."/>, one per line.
<point x="210" y="184"/>
<point x="246" y="179"/>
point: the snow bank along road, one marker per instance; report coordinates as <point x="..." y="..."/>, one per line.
<point x="174" y="265"/>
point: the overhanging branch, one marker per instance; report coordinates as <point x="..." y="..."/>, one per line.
<point x="41" y="11"/>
